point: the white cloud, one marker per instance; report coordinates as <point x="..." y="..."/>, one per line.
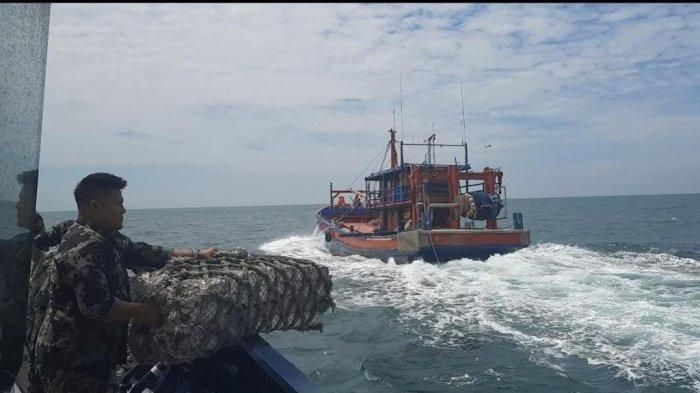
<point x="166" y="84"/>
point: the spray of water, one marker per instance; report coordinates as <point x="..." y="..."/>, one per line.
<point x="637" y="312"/>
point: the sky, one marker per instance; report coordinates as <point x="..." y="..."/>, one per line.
<point x="252" y="104"/>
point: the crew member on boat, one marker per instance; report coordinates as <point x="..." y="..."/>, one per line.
<point x="375" y="224"/>
<point x="408" y="225"/>
<point x="82" y="334"/>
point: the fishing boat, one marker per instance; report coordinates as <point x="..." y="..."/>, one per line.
<point x="428" y="211"/>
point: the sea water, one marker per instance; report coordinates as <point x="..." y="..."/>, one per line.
<point x="607" y="299"/>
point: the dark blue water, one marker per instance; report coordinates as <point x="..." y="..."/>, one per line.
<point x="607" y="299"/>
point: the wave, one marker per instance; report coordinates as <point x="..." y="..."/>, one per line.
<point x="638" y="312"/>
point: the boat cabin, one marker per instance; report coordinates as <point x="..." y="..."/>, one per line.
<point x="426" y="196"/>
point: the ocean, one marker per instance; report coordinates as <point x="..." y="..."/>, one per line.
<point x="606" y="299"/>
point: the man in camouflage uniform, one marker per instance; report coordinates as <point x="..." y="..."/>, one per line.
<point x="39" y="294"/>
<point x="82" y="335"/>
<point x="15" y="257"/>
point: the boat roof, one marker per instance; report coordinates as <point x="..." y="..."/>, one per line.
<point x="400" y="168"/>
<point x="387" y="172"/>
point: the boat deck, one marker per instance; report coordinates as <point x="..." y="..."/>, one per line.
<point x="361" y="227"/>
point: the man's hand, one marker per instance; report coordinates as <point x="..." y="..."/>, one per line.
<point x="145" y="313"/>
<point x="148" y="314"/>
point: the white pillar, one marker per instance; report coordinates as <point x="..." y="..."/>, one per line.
<point x="24" y="33"/>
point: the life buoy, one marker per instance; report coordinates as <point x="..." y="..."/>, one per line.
<point x="327" y="236"/>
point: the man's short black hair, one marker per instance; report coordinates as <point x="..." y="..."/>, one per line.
<point x="96" y="183"/>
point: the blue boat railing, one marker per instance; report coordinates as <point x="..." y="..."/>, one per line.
<point x="251" y="366"/>
<point x="389" y="196"/>
<point x="272" y="372"/>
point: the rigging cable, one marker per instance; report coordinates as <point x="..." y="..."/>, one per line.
<point x="386" y="149"/>
<point x="365" y="169"/>
<point x="430" y="236"/>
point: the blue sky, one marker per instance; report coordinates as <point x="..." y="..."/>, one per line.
<point x="250" y="104"/>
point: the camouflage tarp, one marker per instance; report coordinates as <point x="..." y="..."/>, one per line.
<point x="208" y="305"/>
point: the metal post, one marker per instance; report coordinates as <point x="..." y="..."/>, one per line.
<point x="24" y="34"/>
<point x="466" y="164"/>
<point x="466" y="155"/>
<point x="518" y="220"/>
<point x="368" y="197"/>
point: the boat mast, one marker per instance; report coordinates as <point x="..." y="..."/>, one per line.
<point x="464" y="128"/>
<point x="401" y="94"/>
<point x="392" y="143"/>
<point x="431" y="148"/>
<point x="464" y="120"/>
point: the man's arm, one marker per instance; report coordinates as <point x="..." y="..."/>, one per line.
<point x="52" y="236"/>
<point x="196" y="254"/>
<point x="95" y="300"/>
<point x="145" y="313"/>
<point x="143" y="255"/>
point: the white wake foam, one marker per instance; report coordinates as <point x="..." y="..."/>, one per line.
<point x="637" y="312"/>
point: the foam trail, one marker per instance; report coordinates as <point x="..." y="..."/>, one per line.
<point x="637" y="312"/>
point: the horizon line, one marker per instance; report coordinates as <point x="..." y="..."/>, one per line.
<point x="322" y="204"/>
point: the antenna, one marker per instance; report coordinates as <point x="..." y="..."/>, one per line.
<point x="431" y="148"/>
<point x="431" y="145"/>
<point x="413" y="154"/>
<point x="401" y="93"/>
<point x="464" y="121"/>
<point x="393" y="110"/>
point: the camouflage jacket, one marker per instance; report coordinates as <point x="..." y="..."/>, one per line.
<point x="87" y="271"/>
<point x="52" y="237"/>
<point x="15" y="259"/>
<point x="38" y="298"/>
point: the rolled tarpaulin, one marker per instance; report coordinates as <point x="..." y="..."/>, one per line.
<point x="209" y="305"/>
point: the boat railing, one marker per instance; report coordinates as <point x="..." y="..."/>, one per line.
<point x="366" y="234"/>
<point x="389" y="196"/>
<point x="329" y="212"/>
<point x="471" y="187"/>
<point x="501" y="190"/>
<point x="266" y="371"/>
<point x="357" y="198"/>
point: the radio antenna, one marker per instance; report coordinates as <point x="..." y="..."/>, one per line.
<point x="393" y="109"/>
<point x="401" y="93"/>
<point x="464" y="121"/>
